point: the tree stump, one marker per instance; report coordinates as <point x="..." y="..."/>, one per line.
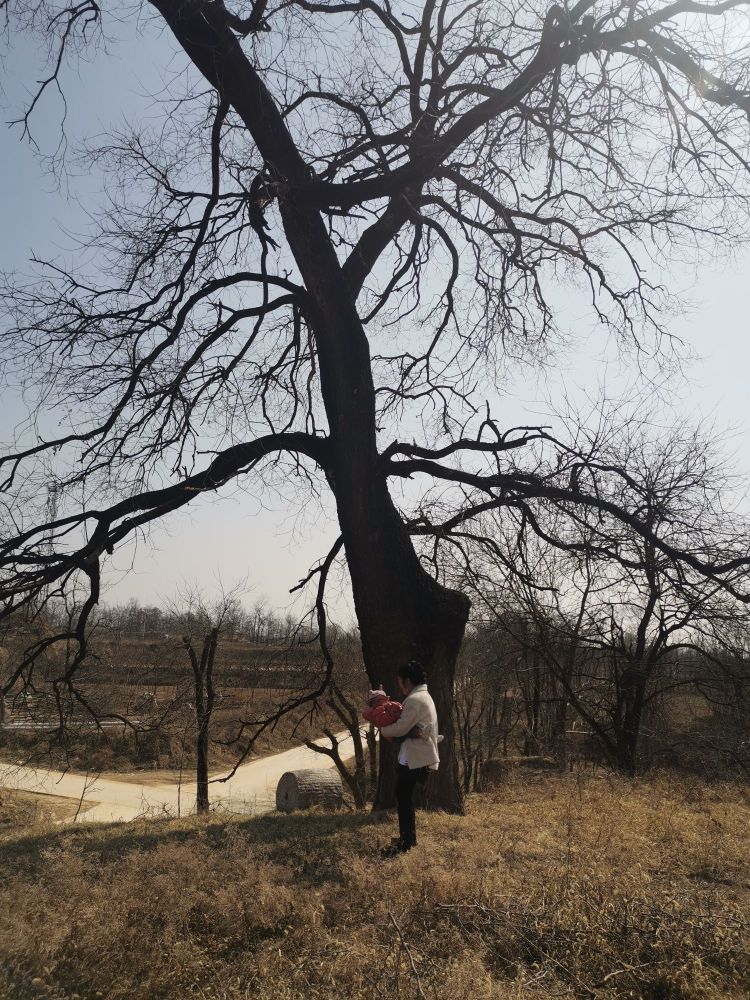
<point x="314" y="787"/>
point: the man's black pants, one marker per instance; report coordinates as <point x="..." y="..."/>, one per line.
<point x="406" y="780"/>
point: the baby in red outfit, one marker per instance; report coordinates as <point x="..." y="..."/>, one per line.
<point x="381" y="711"/>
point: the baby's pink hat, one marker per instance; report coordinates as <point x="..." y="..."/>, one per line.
<point x="372" y="695"/>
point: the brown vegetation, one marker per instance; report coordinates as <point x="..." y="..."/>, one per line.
<point x="580" y="886"/>
<point x="140" y="692"/>
<point x="22" y="811"/>
<point x="167" y="749"/>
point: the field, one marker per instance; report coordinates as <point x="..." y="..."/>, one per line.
<point x="583" y="886"/>
<point x="149" y="683"/>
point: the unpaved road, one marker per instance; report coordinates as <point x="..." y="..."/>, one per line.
<point x="251" y="790"/>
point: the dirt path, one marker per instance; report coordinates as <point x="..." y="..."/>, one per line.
<point x="251" y="790"/>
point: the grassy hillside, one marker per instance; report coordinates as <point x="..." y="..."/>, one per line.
<point x="585" y="887"/>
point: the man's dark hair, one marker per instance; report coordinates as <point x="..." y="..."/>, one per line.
<point x="413" y="671"/>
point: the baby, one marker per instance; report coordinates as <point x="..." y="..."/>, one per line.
<point x="381" y="711"/>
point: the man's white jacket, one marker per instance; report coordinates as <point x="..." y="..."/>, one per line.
<point x="419" y="710"/>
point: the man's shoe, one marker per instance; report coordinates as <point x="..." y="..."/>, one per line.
<point x="395" y="848"/>
<point x="392" y="851"/>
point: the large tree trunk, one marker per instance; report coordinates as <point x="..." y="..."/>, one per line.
<point x="402" y="612"/>
<point x="434" y="638"/>
<point x="629" y="731"/>
<point x="201" y="768"/>
<point x="204" y="694"/>
<point x="560" y="740"/>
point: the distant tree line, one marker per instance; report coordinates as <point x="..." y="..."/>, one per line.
<point x="259" y="623"/>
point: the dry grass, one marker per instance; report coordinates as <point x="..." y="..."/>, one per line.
<point x="551" y="887"/>
<point x="23" y="810"/>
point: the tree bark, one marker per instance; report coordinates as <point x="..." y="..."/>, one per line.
<point x="201" y="770"/>
<point x="628" y="735"/>
<point x="204" y="695"/>
<point x="560" y="735"/>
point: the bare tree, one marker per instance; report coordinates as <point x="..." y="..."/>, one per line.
<point x="724" y="682"/>
<point x="484" y="703"/>
<point x="205" y="623"/>
<point x="344" y="700"/>
<point x="340" y="232"/>
<point x="604" y="612"/>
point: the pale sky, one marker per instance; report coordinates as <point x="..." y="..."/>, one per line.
<point x="269" y="544"/>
